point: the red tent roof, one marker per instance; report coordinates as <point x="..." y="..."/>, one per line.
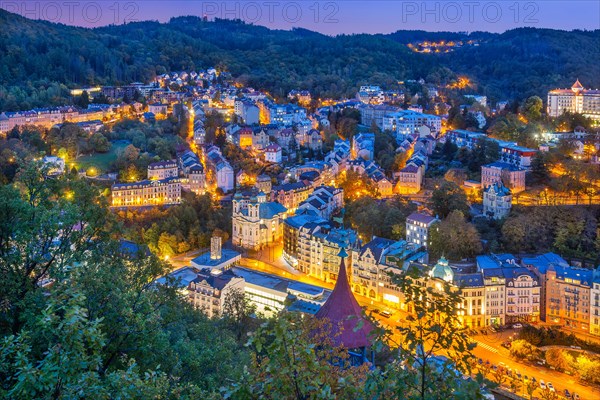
<point x="344" y="313"/>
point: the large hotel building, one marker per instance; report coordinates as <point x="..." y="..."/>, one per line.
<point x="577" y="99"/>
<point x="147" y="192"/>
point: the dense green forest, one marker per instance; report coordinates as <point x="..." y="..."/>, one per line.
<point x="40" y="60"/>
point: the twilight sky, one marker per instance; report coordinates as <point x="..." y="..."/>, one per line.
<point x="329" y="17"/>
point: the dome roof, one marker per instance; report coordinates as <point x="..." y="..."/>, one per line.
<point x="442" y="270"/>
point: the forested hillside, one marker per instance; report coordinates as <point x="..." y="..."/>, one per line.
<point x="40" y="60"/>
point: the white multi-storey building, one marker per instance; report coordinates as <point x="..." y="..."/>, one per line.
<point x="363" y="146"/>
<point x="273" y="153"/>
<point x="417" y="228"/>
<point x="522" y="295"/>
<point x="495" y="295"/>
<point x="407" y="122"/>
<point x="221" y="172"/>
<point x="247" y="111"/>
<point x="577" y="99"/>
<point x="197" y="179"/>
<point x="370" y="95"/>
<point x="522" y="290"/>
<point x="163" y="170"/>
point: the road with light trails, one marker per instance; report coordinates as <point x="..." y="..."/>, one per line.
<point x="489" y="348"/>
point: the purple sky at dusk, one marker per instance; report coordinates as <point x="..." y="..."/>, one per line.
<point x="329" y="17"/>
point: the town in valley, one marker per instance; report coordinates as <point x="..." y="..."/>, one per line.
<point x="422" y="204"/>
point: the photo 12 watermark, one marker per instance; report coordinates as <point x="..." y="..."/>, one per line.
<point x="469" y="12"/>
<point x="97" y="13"/>
<point x="76" y="12"/>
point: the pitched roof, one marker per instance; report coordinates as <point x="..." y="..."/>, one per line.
<point x="215" y="281"/>
<point x="269" y="210"/>
<point x="418" y="217"/>
<point x="273" y="147"/>
<point x="377" y="246"/>
<point x="410" y="169"/>
<point x="468" y="280"/>
<point x="344" y="314"/>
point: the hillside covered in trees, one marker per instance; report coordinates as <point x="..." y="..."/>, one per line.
<point x="41" y="60"/>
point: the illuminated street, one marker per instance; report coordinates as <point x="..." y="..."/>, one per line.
<point x="488" y="347"/>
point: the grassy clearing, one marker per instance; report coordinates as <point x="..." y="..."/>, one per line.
<point x="101" y="161"/>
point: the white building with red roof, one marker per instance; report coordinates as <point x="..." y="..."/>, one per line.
<point x="273" y="153"/>
<point x="577" y="99"/>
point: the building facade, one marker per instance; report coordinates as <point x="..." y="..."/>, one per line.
<point x="256" y="223"/>
<point x="522" y="295"/>
<point x="577" y="99"/>
<point x="145" y="193"/>
<point x="363" y="146"/>
<point x="197" y="179"/>
<point x="318" y="248"/>
<point x="418" y="228"/>
<point x="375" y="265"/>
<point x="507" y="174"/>
<point x="407" y="122"/>
<point x="495" y="296"/>
<point x="568" y="296"/>
<point x="209" y="291"/>
<point x="324" y="201"/>
<point x="273" y="153"/>
<point x="595" y="307"/>
<point x="220" y="174"/>
<point x="291" y="194"/>
<point x="497" y="201"/>
<point x="163" y="170"/>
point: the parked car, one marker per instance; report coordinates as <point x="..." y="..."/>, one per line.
<point x="542" y="385"/>
<point x="550" y="386"/>
<point x="386" y="313"/>
<point x="517" y="326"/>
